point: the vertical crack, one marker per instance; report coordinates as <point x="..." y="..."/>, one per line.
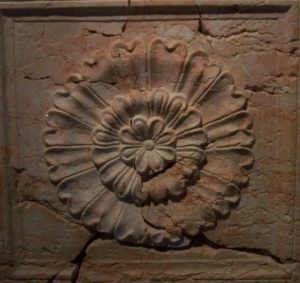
<point x="199" y="21"/>
<point x="128" y="14"/>
<point x="78" y="260"/>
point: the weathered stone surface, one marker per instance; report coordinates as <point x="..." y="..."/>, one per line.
<point x="130" y="264"/>
<point x="149" y="141"/>
<point x="48" y="244"/>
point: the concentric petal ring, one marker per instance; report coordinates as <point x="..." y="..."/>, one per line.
<point x="157" y="158"/>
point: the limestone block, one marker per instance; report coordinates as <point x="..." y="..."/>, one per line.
<point x="149" y="141"/>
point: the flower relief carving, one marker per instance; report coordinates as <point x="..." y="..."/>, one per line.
<point x="157" y="157"/>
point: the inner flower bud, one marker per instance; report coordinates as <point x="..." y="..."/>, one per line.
<point x="149" y="145"/>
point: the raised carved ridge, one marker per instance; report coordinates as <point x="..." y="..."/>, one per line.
<point x="208" y="5"/>
<point x="135" y="9"/>
<point x="159" y="156"/>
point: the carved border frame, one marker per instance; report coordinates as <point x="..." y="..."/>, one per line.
<point x="131" y="10"/>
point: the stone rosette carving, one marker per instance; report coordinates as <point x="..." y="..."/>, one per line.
<point x="157" y="157"/>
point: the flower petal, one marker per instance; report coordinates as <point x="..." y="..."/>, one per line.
<point x="127" y="136"/>
<point x="139" y="103"/>
<point x="66" y="130"/>
<point x="220" y="100"/>
<point x="156" y="162"/>
<point x="102" y="137"/>
<point x="80" y="103"/>
<point x="177" y="105"/>
<point x="189" y="120"/>
<point x="161" y="188"/>
<point x="156" y="126"/>
<point x="57" y="137"/>
<point x="216" y="192"/>
<point x="110" y="170"/>
<point x="197" y="75"/>
<point x="188" y="217"/>
<point x="142" y="162"/>
<point x="221" y="207"/>
<point x="127" y="185"/>
<point x="92" y="99"/>
<point x="140" y="127"/>
<point x="164" y="56"/>
<point x="59" y="119"/>
<point x="132" y="228"/>
<point x="158" y="101"/>
<point x="110" y="121"/>
<point x="65" y="161"/>
<point x="103" y="154"/>
<point x="230" y="131"/>
<point x="167" y="153"/>
<point x="121" y="106"/>
<point x="103" y="91"/>
<point x="128" y="153"/>
<point x="171" y="184"/>
<point x="190" y="152"/>
<point x="130" y="62"/>
<point x="80" y="189"/>
<point x="167" y="138"/>
<point x="195" y="137"/>
<point x="228" y="125"/>
<point x="192" y="73"/>
<point x="102" y="214"/>
<point x="189" y="170"/>
<point x="240" y="138"/>
<point x="229" y="163"/>
<point x="112" y="217"/>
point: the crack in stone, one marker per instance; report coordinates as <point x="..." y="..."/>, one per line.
<point x="128" y="13"/>
<point x="79" y="259"/>
<point x="27" y="77"/>
<point x="37" y="193"/>
<point x="200" y="19"/>
<point x="51" y="279"/>
<point x="254" y="251"/>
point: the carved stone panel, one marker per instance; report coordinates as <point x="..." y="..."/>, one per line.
<point x="149" y="141"/>
<point x="159" y="155"/>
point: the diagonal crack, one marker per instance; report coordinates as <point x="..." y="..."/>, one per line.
<point x="78" y="260"/>
<point x="51" y="280"/>
<point x="255" y="251"/>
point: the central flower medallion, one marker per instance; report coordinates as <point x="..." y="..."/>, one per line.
<point x="147" y="145"/>
<point x="143" y="135"/>
<point x="154" y="146"/>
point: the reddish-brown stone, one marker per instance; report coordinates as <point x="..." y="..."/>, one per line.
<point x="149" y="141"/>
